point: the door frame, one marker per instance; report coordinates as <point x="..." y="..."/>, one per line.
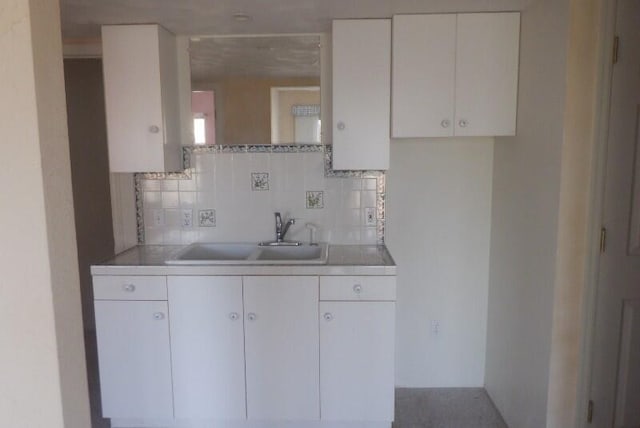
<point x="596" y="206"/>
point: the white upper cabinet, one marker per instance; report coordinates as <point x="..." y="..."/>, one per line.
<point x="424" y="55"/>
<point x="455" y="74"/>
<point x="141" y="95"/>
<point x="487" y="73"/>
<point x="361" y="93"/>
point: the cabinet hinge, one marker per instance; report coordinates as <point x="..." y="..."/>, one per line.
<point x="603" y="239"/>
<point x="590" y="412"/>
<point x="616" y="45"/>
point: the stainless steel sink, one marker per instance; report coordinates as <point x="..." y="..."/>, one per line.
<point x="202" y="252"/>
<point x="249" y="254"/>
<point x="302" y="253"/>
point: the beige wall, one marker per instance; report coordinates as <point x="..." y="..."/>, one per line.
<point x="524" y="234"/>
<point x="243" y="106"/>
<point x="575" y="195"/>
<point x="42" y="365"/>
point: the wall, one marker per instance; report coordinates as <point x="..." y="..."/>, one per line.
<point x="438" y="211"/>
<point x="91" y="192"/>
<point x="42" y="364"/>
<point x="223" y="182"/>
<point x="574" y="242"/>
<point x="524" y="232"/>
<point x="243" y="106"/>
<point x="89" y="171"/>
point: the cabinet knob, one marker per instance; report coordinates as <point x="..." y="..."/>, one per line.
<point x="357" y="288"/>
<point x="129" y="288"/>
<point x="463" y="123"/>
<point x="327" y="316"/>
<point x="154" y="129"/>
<point x="233" y="316"/>
<point x="341" y="126"/>
<point x="251" y="316"/>
<point x="445" y="123"/>
<point x="158" y="316"/>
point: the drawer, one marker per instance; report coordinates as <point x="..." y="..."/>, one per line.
<point x="364" y="288"/>
<point x="108" y="287"/>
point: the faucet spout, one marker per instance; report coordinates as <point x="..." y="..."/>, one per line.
<point x="286" y="227"/>
<point x="281" y="230"/>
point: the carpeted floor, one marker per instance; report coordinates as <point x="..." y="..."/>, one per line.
<point x="446" y="408"/>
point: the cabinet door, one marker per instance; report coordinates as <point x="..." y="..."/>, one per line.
<point x="281" y="342"/>
<point x="361" y="93"/>
<point x="141" y="98"/>
<point x="424" y="57"/>
<point x="134" y="359"/>
<point x="357" y="360"/>
<point x="487" y="74"/>
<point x="207" y="347"/>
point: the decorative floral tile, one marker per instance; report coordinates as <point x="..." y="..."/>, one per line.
<point x="259" y="181"/>
<point x="207" y="218"/>
<point x="315" y="199"/>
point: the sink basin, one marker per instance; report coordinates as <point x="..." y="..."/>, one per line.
<point x="227" y="252"/>
<point x="302" y="253"/>
<point x="249" y="254"/>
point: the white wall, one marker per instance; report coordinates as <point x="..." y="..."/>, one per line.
<point x="42" y="364"/>
<point x="526" y="188"/>
<point x="438" y="211"/>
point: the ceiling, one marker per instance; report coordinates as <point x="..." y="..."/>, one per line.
<point x="81" y="19"/>
<point x="291" y="56"/>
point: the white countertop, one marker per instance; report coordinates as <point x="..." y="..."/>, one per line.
<point x="343" y="260"/>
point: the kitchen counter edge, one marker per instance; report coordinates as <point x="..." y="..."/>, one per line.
<point x="343" y="260"/>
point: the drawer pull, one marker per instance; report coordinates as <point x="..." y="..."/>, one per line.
<point x="129" y="288"/>
<point x="158" y="316"/>
<point x="357" y="288"/>
<point x="327" y="316"/>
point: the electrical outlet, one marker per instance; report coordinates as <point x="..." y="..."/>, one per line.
<point x="158" y="217"/>
<point x="186" y="219"/>
<point x="435" y="327"/>
<point x="370" y="216"/>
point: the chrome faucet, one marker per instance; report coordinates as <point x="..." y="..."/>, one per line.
<point x="281" y="230"/>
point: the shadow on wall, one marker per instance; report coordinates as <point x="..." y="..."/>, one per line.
<point x="91" y="194"/>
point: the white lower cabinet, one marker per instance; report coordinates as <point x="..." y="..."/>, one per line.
<point x="134" y="358"/>
<point x="357" y="361"/>
<point x="207" y="346"/>
<point x="281" y="347"/>
<point x="246" y="351"/>
<point x="272" y="333"/>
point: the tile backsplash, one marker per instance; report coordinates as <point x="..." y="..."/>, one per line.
<point x="230" y="194"/>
